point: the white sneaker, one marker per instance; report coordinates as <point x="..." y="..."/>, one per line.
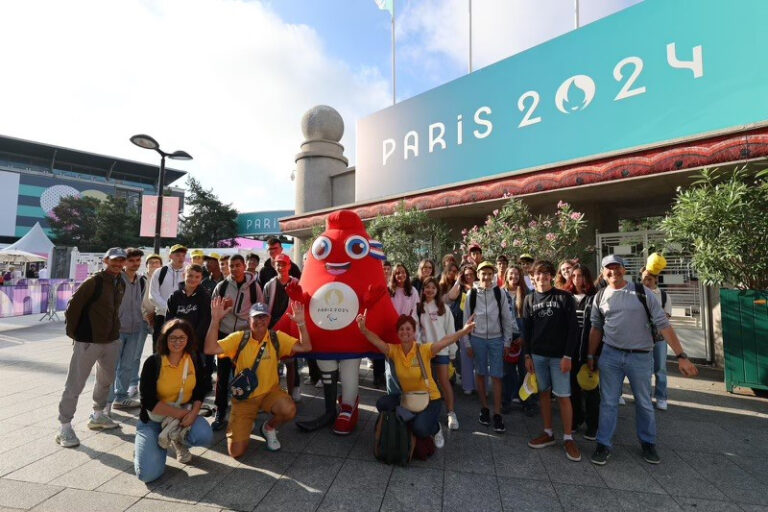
<point x="67" y="438"/>
<point x="100" y="421"/>
<point x="126" y="403"/>
<point x="439" y="438"/>
<point x="296" y="394"/>
<point x="319" y="383"/>
<point x="453" y="421"/>
<point x="270" y="436"/>
<point x="133" y="391"/>
<point x="622" y="401"/>
<point x="183" y="454"/>
<point x="662" y="405"/>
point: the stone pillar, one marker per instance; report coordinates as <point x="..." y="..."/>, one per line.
<point x="321" y="157"/>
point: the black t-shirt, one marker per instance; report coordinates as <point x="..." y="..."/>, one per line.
<point x="550" y="323"/>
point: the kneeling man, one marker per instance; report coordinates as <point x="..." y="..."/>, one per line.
<point x="257" y="349"/>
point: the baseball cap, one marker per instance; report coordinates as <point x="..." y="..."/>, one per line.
<point x="474" y="246"/>
<point x="259" y="309"/>
<point x="153" y="257"/>
<point x="588" y="380"/>
<point x="196" y="252"/>
<point x="530" y="386"/>
<point x="177" y="248"/>
<point x="282" y="257"/>
<point x="116" y="253"/>
<point x="213" y="256"/>
<point x="486" y="264"/>
<point x="525" y="256"/>
<point x="612" y="259"/>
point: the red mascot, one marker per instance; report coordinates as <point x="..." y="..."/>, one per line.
<point x="343" y="277"/>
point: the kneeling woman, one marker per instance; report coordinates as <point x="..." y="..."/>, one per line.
<point x="172" y="387"/>
<point x="405" y="362"/>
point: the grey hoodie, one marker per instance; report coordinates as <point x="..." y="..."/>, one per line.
<point x="487" y="325"/>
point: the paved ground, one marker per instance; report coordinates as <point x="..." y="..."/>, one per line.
<point x="714" y="448"/>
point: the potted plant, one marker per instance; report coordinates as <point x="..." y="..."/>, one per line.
<point x="721" y="218"/>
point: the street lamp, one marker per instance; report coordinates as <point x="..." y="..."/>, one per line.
<point x="147" y="142"/>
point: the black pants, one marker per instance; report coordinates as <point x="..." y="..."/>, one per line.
<point x="159" y="321"/>
<point x="223" y="373"/>
<point x="586" y="404"/>
<point x="314" y="371"/>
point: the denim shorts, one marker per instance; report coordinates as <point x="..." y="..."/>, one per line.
<point x="441" y="360"/>
<point x="488" y="353"/>
<point x="549" y="376"/>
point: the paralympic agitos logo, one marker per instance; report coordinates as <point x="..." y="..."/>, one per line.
<point x="574" y="94"/>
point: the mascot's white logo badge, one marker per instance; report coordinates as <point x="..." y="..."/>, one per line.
<point x="333" y="306"/>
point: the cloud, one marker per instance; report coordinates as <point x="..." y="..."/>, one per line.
<point x="225" y="80"/>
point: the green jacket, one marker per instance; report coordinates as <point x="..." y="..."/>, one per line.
<point x="93" y="313"/>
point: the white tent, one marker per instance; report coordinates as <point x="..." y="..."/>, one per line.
<point x="35" y="241"/>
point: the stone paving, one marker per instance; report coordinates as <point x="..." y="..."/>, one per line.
<point x="714" y="449"/>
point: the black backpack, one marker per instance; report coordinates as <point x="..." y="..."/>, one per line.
<point x="252" y="288"/>
<point x="393" y="443"/>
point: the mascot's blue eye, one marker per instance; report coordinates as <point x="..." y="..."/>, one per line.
<point x="321" y="247"/>
<point x="356" y="247"/>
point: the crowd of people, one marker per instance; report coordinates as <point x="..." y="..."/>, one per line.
<point x="521" y="330"/>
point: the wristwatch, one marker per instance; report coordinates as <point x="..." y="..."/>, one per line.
<point x="681" y="355"/>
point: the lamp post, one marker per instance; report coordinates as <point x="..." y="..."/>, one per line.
<point x="147" y="142"/>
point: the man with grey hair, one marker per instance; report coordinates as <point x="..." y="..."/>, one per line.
<point x="625" y="317"/>
<point x="93" y="323"/>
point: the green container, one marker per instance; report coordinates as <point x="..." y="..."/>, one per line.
<point x="745" y="338"/>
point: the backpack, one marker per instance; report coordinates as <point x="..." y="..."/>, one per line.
<point x="393" y="443"/>
<point x="640" y="293"/>
<point x="473" y="301"/>
<point x="83" y="330"/>
<point x="163" y="273"/>
<point x="252" y="288"/>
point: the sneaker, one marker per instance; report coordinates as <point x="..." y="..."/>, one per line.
<point x="101" y="422"/>
<point x="270" y="436"/>
<point x="662" y="405"/>
<point x="600" y="455"/>
<point x="572" y="450"/>
<point x="649" y="453"/>
<point x="439" y="437"/>
<point x="319" y="383"/>
<point x="67" y="438"/>
<point x="453" y="421"/>
<point x="517" y="401"/>
<point x="296" y="394"/>
<point x="498" y="424"/>
<point x="542" y="441"/>
<point x="590" y="435"/>
<point x="468" y="392"/>
<point x="485" y="416"/>
<point x="126" y="403"/>
<point x="219" y="422"/>
<point x="622" y="401"/>
<point x="133" y="391"/>
<point x="183" y="454"/>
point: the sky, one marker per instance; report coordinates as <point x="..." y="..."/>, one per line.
<point x="228" y="80"/>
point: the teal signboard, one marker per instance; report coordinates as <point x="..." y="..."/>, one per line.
<point x="660" y="71"/>
<point x="261" y="223"/>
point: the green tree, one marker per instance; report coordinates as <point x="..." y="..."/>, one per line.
<point x="722" y="221"/>
<point x="409" y="236"/>
<point x="210" y="222"/>
<point x="117" y="225"/>
<point x="74" y="222"/>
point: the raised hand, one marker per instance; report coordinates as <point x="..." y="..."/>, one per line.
<point x="361" y="322"/>
<point x="219" y="308"/>
<point x="298" y="313"/>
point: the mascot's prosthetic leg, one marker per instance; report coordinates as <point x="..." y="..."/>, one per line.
<point x="343" y="277"/>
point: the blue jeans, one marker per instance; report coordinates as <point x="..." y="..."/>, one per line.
<point x="512" y="380"/>
<point x="467" y="369"/>
<point x="637" y="367"/>
<point x="127" y="364"/>
<point x="549" y="376"/>
<point x="149" y="458"/>
<point x="489" y="356"/>
<point x="425" y="423"/>
<point x="660" y="369"/>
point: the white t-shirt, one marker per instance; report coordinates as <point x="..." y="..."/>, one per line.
<point x="668" y="306"/>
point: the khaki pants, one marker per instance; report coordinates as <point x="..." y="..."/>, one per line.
<point x="84" y="356"/>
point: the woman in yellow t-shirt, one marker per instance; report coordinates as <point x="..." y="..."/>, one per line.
<point x="405" y="363"/>
<point x="173" y="384"/>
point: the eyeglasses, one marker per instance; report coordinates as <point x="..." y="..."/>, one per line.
<point x="177" y="339"/>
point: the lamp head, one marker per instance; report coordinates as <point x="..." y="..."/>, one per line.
<point x="180" y="155"/>
<point x="145" y="141"/>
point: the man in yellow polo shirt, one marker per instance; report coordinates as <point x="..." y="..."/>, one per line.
<point x="268" y="396"/>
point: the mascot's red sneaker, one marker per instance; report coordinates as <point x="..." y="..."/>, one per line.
<point x="346" y="421"/>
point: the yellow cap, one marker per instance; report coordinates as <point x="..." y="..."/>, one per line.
<point x="587" y="379"/>
<point x="196" y="253"/>
<point x="153" y="256"/>
<point x="530" y="386"/>
<point x="214" y="256"/>
<point x="176" y="248"/>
